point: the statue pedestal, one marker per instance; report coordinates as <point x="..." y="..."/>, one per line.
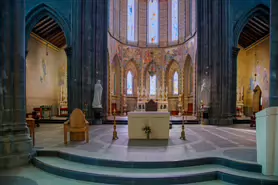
<point x="98" y="116"/>
<point x="267" y="140"/>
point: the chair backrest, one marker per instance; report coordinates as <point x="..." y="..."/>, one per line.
<point x="77" y="119"/>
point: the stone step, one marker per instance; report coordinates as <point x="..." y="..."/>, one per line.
<point x="175" y="122"/>
<point x="159" y="176"/>
<point x="239" y="165"/>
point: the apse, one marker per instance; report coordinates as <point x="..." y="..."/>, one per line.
<point x="151" y="41"/>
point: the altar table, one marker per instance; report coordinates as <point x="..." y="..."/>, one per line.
<point x="157" y="121"/>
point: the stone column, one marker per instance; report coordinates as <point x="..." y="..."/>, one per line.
<point x="273" y="91"/>
<point x="214" y="57"/>
<point x="15" y="142"/>
<point x="68" y="51"/>
<point x="267" y="119"/>
<point x="233" y="79"/>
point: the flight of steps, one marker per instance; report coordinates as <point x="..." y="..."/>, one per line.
<point x="150" y="173"/>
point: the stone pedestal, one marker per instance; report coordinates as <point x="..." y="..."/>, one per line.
<point x="267" y="140"/>
<point x="98" y="116"/>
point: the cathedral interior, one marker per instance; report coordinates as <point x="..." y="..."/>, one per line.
<point x="138" y="92"/>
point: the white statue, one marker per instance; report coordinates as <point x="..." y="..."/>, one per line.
<point x="97" y="96"/>
<point x="205" y="86"/>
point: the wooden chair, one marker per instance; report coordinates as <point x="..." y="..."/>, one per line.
<point x="76" y="123"/>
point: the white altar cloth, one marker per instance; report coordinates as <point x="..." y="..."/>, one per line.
<point x="157" y="121"/>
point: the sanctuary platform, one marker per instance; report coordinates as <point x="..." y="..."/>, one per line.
<point x="209" y="153"/>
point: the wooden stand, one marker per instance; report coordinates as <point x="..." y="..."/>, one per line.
<point x="77" y="136"/>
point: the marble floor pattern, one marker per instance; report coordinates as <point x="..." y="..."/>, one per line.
<point x="237" y="142"/>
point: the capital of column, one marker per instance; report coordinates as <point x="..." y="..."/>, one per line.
<point x="68" y="51"/>
<point x="235" y="51"/>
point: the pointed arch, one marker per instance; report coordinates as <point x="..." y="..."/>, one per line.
<point x="40" y="11"/>
<point x="131" y="68"/>
<point x="146" y="77"/>
<point x="257" y="99"/>
<point x="258" y="10"/>
<point x="188" y="85"/>
<point x="172" y="67"/>
<point x="115" y="75"/>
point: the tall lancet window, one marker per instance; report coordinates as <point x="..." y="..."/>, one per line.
<point x="129" y="83"/>
<point x="153" y="85"/>
<point x="131" y="20"/>
<point x="175" y="20"/>
<point x="153" y="21"/>
<point x="176" y="83"/>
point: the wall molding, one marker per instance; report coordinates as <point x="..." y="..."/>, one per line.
<point x="45" y="42"/>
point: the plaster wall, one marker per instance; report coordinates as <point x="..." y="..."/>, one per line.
<point x="44" y="75"/>
<point x="248" y="65"/>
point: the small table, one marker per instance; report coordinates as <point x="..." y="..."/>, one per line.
<point x="31" y="125"/>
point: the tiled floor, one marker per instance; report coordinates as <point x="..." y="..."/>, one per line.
<point x="237" y="143"/>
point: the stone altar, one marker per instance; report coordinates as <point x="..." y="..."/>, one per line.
<point x="157" y="121"/>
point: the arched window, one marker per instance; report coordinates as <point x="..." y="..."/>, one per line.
<point x="176" y="83"/>
<point x="129" y="83"/>
<point x="175" y="20"/>
<point x="131" y="20"/>
<point x="153" y="21"/>
<point x="153" y="85"/>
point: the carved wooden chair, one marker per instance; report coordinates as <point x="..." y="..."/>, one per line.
<point x="76" y="123"/>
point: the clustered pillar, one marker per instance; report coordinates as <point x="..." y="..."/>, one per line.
<point x="15" y="142"/>
<point x="214" y="66"/>
<point x="273" y="87"/>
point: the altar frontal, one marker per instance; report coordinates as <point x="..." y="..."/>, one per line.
<point x="148" y="125"/>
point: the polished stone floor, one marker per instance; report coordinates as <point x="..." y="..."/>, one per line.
<point x="236" y="142"/>
<point x="29" y="175"/>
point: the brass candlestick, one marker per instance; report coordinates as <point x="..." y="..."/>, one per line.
<point x="115" y="135"/>
<point x="182" y="128"/>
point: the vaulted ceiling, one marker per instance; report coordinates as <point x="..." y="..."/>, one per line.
<point x="256" y="29"/>
<point x="48" y="29"/>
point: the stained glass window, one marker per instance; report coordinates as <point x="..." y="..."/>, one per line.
<point x="153" y="22"/>
<point x="176" y="83"/>
<point x="129" y="83"/>
<point x="130" y="20"/>
<point x="153" y="85"/>
<point x="175" y="20"/>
